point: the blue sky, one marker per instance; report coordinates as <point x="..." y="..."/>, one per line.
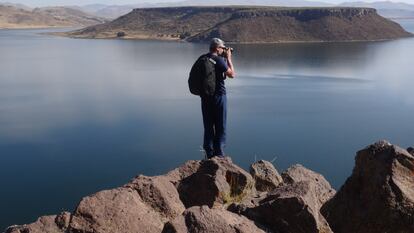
<point x="122" y="2"/>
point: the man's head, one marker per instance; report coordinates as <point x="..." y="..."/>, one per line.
<point x="217" y="46"/>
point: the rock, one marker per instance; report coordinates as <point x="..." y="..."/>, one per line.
<point x="249" y="202"/>
<point x="120" y="34"/>
<point x="116" y="210"/>
<point x="297" y="173"/>
<point x="378" y="196"/>
<point x="45" y="224"/>
<point x="217" y="181"/>
<point x="63" y="220"/>
<point x="202" y="219"/>
<point x="265" y="176"/>
<point x="291" y="208"/>
<point x="190" y="167"/>
<point x="159" y="193"/>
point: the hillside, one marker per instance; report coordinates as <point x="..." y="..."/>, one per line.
<point x="386" y="9"/>
<point x="73" y="16"/>
<point x="115" y="11"/>
<point x="248" y="25"/>
<point x="16" y="17"/>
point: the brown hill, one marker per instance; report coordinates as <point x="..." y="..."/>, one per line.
<point x="249" y="25"/>
<point x="73" y="16"/>
<point x="14" y="17"/>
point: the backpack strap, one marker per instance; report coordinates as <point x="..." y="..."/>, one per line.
<point x="212" y="60"/>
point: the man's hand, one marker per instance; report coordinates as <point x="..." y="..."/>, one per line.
<point x="230" y="72"/>
<point x="228" y="53"/>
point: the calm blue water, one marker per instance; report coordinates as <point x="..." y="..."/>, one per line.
<point x="78" y="116"/>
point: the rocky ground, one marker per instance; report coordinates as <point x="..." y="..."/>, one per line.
<point x="218" y="196"/>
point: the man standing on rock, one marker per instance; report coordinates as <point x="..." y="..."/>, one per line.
<point x="214" y="107"/>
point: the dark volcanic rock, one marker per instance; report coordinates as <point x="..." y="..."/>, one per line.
<point x="49" y="224"/>
<point x="378" y="196"/>
<point x="217" y="181"/>
<point x="294" y="207"/>
<point x="116" y="210"/>
<point x="265" y="176"/>
<point x="202" y="219"/>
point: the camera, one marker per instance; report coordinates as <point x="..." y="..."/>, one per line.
<point x="226" y="49"/>
<point x="229" y="48"/>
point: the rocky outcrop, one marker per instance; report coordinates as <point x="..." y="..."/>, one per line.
<point x="53" y="224"/>
<point x="248" y="25"/>
<point x="216" y="182"/>
<point x="294" y="206"/>
<point x="202" y="219"/>
<point x="216" y="195"/>
<point x="378" y="196"/>
<point x="265" y="176"/>
<point x="298" y="173"/>
<point x="116" y="210"/>
<point x="160" y="194"/>
<point x="184" y="171"/>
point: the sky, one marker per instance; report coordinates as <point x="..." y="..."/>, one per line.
<point x="124" y="2"/>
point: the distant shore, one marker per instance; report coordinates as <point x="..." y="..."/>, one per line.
<point x="248" y="25"/>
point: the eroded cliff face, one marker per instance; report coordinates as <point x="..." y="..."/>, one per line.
<point x="305" y="14"/>
<point x="216" y="195"/>
<point x="248" y="25"/>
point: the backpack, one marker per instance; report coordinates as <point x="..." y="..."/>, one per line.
<point x="202" y="79"/>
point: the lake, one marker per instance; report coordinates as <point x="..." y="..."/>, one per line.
<point x="78" y="116"/>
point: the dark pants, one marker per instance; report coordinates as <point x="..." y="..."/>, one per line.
<point x="214" y="110"/>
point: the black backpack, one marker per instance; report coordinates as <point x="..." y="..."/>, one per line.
<point x="202" y="80"/>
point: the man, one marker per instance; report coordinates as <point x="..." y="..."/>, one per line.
<point x="214" y="108"/>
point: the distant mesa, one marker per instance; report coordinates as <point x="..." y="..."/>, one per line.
<point x="249" y="25"/>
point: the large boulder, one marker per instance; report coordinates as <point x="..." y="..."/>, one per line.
<point x="265" y="176"/>
<point x="44" y="224"/>
<point x="159" y="193"/>
<point x="217" y="181"/>
<point x="323" y="189"/>
<point x="116" y="210"/>
<point x="378" y="196"/>
<point x="294" y="206"/>
<point x="202" y="219"/>
<point x="291" y="208"/>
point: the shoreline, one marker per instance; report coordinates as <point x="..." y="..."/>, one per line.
<point x="143" y="38"/>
